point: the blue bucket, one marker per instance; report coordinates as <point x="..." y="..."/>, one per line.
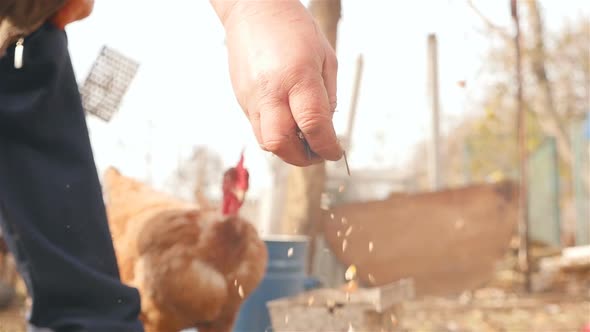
<point x="285" y="276"/>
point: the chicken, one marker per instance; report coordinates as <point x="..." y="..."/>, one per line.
<point x="193" y="267"/>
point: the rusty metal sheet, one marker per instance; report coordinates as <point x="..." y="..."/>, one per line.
<point x="447" y="241"/>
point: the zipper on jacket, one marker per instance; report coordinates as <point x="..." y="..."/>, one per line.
<point x="18" y="53"/>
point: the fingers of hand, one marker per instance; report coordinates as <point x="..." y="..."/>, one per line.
<point x="73" y="10"/>
<point x="311" y="109"/>
<point x="277" y="133"/>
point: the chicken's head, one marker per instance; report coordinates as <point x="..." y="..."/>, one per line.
<point x="235" y="185"/>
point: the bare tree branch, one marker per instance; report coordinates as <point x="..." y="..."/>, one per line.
<point x="550" y="120"/>
<point x="490" y="25"/>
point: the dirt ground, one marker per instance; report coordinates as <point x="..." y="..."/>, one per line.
<point x="495" y="313"/>
<point x="486" y="310"/>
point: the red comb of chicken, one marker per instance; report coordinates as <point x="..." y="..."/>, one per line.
<point x="235" y="185"/>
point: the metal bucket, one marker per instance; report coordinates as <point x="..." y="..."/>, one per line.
<point x="285" y="277"/>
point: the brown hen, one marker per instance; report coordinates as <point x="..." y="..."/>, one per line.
<point x="193" y="268"/>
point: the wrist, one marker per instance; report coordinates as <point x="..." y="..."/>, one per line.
<point x="223" y="8"/>
<point x="226" y="10"/>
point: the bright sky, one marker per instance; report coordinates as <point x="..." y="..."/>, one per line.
<point x="183" y="86"/>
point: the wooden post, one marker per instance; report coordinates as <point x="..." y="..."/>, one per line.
<point x="433" y="93"/>
<point x="523" y="223"/>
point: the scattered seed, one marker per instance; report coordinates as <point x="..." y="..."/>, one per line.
<point x="371" y="246"/>
<point x="459" y="223"/>
<point x="241" y="291"/>
<point x="348" y="231"/>
<point x="338" y="234"/>
<point x="393" y="320"/>
<point x="290" y="252"/>
<point x="350" y="329"/>
<point x="344" y="245"/>
<point x="236" y="282"/>
<point x="325" y="202"/>
<point x="350" y="273"/>
<point x="341" y="188"/>
<point x="351" y="286"/>
<point x="330" y="303"/>
<point x="310" y="301"/>
<point x="371" y="278"/>
<point x="332" y="216"/>
<point x="344" y="221"/>
<point x="287" y="319"/>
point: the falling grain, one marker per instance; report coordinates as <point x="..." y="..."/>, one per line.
<point x="344" y="245"/>
<point x="341" y="188"/>
<point x="393" y="320"/>
<point x="350" y="273"/>
<point x="236" y="282"/>
<point x="287" y="319"/>
<point x="338" y="234"/>
<point x="459" y="223"/>
<point x="371" y="246"/>
<point x="332" y="216"/>
<point x="371" y="279"/>
<point x="325" y="202"/>
<point x="241" y="291"/>
<point x="348" y="231"/>
<point x="330" y="304"/>
<point x="310" y="301"/>
<point x="350" y="329"/>
<point x="290" y="252"/>
<point x="344" y="221"/>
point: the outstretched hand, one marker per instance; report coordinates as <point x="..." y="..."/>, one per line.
<point x="283" y="72"/>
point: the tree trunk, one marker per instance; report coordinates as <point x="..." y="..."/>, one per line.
<point x="306" y="185"/>
<point x="523" y="216"/>
<point x="549" y="118"/>
<point x="327" y="14"/>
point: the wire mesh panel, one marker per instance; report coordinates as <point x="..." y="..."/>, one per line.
<point x="580" y="135"/>
<point x="107" y="83"/>
<point x="544" y="214"/>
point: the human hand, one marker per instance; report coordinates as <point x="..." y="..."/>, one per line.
<point x="73" y="10"/>
<point x="283" y="72"/>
